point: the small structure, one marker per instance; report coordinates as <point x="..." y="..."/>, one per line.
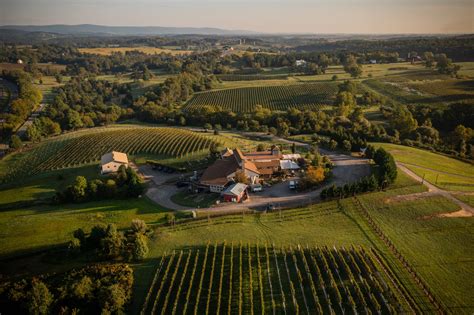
<point x="289" y="165"/>
<point x="373" y="61"/>
<point x="300" y="63"/>
<point x="235" y="193"/>
<point x="110" y="162"/>
<point x="19" y="61"/>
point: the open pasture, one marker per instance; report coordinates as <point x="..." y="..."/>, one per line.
<point x="301" y="96"/>
<point x="440" y="170"/>
<point x="106" y="51"/>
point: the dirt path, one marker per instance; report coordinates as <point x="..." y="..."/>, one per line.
<point x="433" y="190"/>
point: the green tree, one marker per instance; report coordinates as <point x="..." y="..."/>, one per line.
<point x="39" y="299"/>
<point x="112" y="244"/>
<point x="112" y="299"/>
<point x="15" y="142"/>
<point x="138" y="226"/>
<point x="140" y="248"/>
<point x="346" y="102"/>
<point x="79" y="189"/>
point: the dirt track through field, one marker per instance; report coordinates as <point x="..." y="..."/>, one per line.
<point x="466" y="210"/>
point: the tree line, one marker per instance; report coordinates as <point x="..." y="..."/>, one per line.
<point x="385" y="173"/>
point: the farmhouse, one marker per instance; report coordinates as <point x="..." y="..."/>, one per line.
<point x="235" y="193"/>
<point x="110" y="162"/>
<point x="254" y="165"/>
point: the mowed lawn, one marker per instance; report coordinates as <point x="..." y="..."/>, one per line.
<point x="39" y="227"/>
<point x="441" y="250"/>
<point x="443" y="171"/>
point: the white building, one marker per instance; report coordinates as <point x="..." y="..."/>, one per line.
<point x="300" y="63"/>
<point x="110" y="162"/>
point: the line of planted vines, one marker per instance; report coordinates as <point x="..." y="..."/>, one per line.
<point x="261" y="278"/>
<point x="283" y="97"/>
<point x="251" y="77"/>
<point x="88" y="147"/>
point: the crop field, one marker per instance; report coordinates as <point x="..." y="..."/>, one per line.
<point x="302" y="96"/>
<point x="439" y="249"/>
<point x="106" y="51"/>
<point x="242" y="278"/>
<point x="434" y="90"/>
<point x="440" y="170"/>
<point x="87" y="147"/>
<point x="250" y="77"/>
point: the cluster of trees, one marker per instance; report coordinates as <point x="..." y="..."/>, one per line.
<point x="86" y="102"/>
<point x="107" y="243"/>
<point x="385" y="174"/>
<point x="352" y="66"/>
<point x="458" y="47"/>
<point x="448" y="130"/>
<point x="125" y="184"/>
<point x="29" y="97"/>
<point x="441" y="62"/>
<point x="95" y="289"/>
<point x="317" y="168"/>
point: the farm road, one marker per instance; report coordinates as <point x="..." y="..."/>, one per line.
<point x="432" y="190"/>
<point x="347" y="169"/>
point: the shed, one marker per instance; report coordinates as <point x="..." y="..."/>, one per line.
<point x="235" y="193"/>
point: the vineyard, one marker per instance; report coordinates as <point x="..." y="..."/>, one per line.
<point x="250" y="77"/>
<point x="283" y="97"/>
<point x="256" y="279"/>
<point x="88" y="146"/>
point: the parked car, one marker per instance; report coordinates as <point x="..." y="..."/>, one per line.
<point x="182" y="183"/>
<point x="270" y="207"/>
<point x="256" y="188"/>
<point x="293" y="184"/>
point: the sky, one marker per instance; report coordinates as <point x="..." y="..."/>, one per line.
<point x="280" y="16"/>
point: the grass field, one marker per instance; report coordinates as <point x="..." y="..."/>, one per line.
<point x="105" y="51"/>
<point x="440" y="249"/>
<point x="443" y="171"/>
<point x="15" y="66"/>
<point x="185" y="198"/>
<point x="38" y="227"/>
<point x="311" y="96"/>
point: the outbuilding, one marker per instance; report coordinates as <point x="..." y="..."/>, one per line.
<point x="110" y="162"/>
<point x="235" y="193"/>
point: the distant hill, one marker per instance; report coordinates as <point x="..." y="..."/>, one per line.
<point x="90" y="29"/>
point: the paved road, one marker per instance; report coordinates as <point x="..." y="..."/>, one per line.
<point x="22" y="130"/>
<point x="434" y="190"/>
<point x="347" y="169"/>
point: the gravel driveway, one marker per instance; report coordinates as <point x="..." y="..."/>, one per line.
<point x="347" y="170"/>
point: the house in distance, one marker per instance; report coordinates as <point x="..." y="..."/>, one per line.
<point x="110" y="162"/>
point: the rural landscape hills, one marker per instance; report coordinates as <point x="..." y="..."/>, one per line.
<point x="188" y="170"/>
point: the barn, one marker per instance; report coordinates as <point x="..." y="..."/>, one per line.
<point x="235" y="193"/>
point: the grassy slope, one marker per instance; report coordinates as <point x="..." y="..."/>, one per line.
<point x="440" y="249"/>
<point x="452" y="174"/>
<point x="37" y="227"/>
